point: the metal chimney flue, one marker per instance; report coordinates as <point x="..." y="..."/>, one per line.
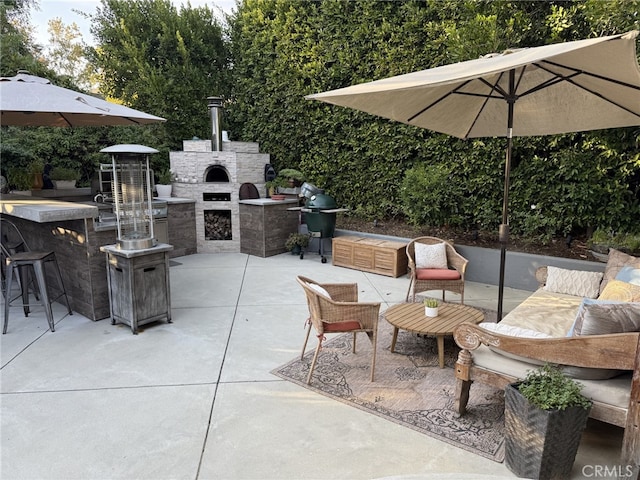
<point x="215" y="105"/>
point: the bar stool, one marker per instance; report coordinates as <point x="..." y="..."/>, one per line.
<point x="21" y="263"/>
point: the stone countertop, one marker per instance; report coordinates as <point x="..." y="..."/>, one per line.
<point x="171" y="200"/>
<point x="42" y="210"/>
<point x="115" y="250"/>
<point x="267" y="201"/>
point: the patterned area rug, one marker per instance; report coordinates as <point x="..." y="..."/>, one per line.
<point x="409" y="389"/>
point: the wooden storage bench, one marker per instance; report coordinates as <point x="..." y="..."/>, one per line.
<point x="370" y="255"/>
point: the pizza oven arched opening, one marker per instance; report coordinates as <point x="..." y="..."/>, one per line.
<point x="216" y="174"/>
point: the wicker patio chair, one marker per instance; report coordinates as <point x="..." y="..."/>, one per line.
<point x="334" y="308"/>
<point x="423" y="279"/>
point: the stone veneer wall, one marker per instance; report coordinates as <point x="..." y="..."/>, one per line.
<point x="243" y="163"/>
<point x="266" y="227"/>
<point x="182" y="229"/>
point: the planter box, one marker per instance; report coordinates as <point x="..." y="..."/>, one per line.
<point x="540" y="443"/>
<point x="64" y="184"/>
<point x="164" y="191"/>
<point x="289" y="191"/>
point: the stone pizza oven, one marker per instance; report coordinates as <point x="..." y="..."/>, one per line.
<point x="211" y="172"/>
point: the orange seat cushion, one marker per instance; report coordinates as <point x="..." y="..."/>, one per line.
<point x="437" y="274"/>
<point x="341" y="326"/>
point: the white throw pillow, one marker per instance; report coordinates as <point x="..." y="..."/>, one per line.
<point x="573" y="282"/>
<point x="629" y="275"/>
<point x="512" y="330"/>
<point x="319" y="289"/>
<point x="430" y="256"/>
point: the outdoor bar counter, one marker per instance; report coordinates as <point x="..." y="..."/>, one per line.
<point x="70" y="230"/>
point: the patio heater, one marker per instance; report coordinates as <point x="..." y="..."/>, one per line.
<point x="131" y="193"/>
<point x="137" y="266"/>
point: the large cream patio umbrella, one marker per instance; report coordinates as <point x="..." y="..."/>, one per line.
<point x="566" y="87"/>
<point x="31" y="101"/>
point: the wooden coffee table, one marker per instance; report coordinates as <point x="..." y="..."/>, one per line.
<point x="411" y="317"/>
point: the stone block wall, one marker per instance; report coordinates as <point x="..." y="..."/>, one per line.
<point x="241" y="161"/>
<point x="182" y="229"/>
<point x="265" y="228"/>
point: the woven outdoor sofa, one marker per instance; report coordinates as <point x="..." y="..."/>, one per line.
<point x="559" y="324"/>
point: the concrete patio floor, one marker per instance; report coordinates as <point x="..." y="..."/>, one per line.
<point x="195" y="399"/>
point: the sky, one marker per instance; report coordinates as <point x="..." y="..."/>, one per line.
<point x="63" y="9"/>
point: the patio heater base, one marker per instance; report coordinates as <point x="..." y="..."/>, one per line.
<point x="138" y="283"/>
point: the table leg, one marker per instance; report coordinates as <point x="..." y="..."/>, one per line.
<point x="440" y="340"/>
<point x="393" y="340"/>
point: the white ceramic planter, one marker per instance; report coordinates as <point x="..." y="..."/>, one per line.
<point x="164" y="191"/>
<point x="431" y="311"/>
<point x="63" y="184"/>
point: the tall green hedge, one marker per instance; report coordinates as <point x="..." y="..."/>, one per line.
<point x="283" y="50"/>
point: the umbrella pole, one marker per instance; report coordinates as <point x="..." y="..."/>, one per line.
<point x="503" y="233"/>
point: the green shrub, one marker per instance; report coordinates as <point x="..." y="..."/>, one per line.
<point x="288" y="173"/>
<point x="62" y="173"/>
<point x="627" y="242"/>
<point x="297" y="240"/>
<point x="19" y="179"/>
<point x="549" y="389"/>
<point x="165" y="177"/>
<point x="430" y="197"/>
<point x="36" y="166"/>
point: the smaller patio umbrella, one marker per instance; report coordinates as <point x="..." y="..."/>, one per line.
<point x="30" y="101"/>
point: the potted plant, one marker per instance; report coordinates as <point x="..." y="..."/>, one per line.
<point x="274" y="186"/>
<point x="296" y="243"/>
<point x="545" y="415"/>
<point x="293" y="177"/>
<point x="64" y="177"/>
<point x="36" y="169"/>
<point x="164" y="187"/>
<point x="430" y="307"/>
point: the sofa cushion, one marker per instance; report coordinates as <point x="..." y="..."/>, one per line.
<point x="512" y="331"/>
<point x="345" y="326"/>
<point x="437" y="274"/>
<point x="430" y="256"/>
<point x="582" y="310"/>
<point x="615" y="391"/>
<point x="616" y="261"/>
<point x="583" y="373"/>
<point x="546" y="312"/>
<point x="629" y="274"/>
<point x="601" y="317"/>
<point x="621" y="291"/>
<point x="604" y="317"/>
<point x="573" y="282"/>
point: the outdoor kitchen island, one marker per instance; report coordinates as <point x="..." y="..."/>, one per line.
<point x="72" y="232"/>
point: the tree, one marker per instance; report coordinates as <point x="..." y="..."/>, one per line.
<point x="161" y="60"/>
<point x="17" y="50"/>
<point x="72" y="147"/>
<point x="66" y="53"/>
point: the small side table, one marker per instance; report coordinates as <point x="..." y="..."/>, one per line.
<point x="411" y="317"/>
<point x="138" y="281"/>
